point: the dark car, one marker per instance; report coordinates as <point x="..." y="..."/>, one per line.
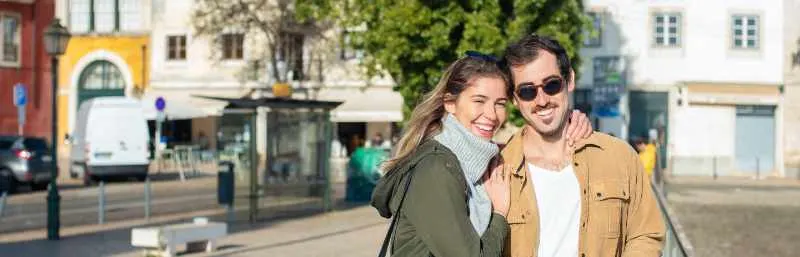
<point x="24" y="160"/>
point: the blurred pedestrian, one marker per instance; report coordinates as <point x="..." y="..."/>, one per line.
<point x="438" y="179"/>
<point x="376" y="141"/>
<point x="592" y="199"/>
<point x="647" y="155"/>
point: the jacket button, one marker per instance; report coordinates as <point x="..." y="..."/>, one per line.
<point x="583" y="255"/>
<point x="599" y="194"/>
<point x="584" y="191"/>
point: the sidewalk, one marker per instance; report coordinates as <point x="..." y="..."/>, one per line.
<point x="353" y="231"/>
<point x="732" y="181"/>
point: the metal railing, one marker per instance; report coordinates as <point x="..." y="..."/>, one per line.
<point x="676" y="244"/>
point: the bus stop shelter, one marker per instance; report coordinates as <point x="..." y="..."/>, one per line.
<point x="295" y="167"/>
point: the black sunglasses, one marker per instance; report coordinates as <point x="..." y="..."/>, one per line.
<point x="528" y="91"/>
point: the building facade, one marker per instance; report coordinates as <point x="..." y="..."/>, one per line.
<point x="792" y="88"/>
<point x="702" y="78"/>
<point x="106" y="56"/>
<point x="185" y="65"/>
<point x="23" y="60"/>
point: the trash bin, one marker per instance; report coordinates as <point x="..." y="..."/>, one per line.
<point x="363" y="172"/>
<point x="225" y="183"/>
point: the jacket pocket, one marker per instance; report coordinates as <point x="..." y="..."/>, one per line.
<point x="517" y="218"/>
<point x="609" y="202"/>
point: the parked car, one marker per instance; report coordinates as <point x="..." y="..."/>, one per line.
<point x="110" y="140"/>
<point x="24" y="160"/>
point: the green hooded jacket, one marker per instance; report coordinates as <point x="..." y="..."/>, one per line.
<point x="434" y="219"/>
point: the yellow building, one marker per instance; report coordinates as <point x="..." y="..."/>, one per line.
<point x="106" y="56"/>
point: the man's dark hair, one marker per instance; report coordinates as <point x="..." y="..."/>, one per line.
<point x="527" y="49"/>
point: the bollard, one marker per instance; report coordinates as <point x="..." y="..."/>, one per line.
<point x="147" y="198"/>
<point x="230" y="214"/>
<point x="3" y="202"/>
<point x="101" y="202"/>
<point x="758" y="169"/>
<point x="715" y="167"/>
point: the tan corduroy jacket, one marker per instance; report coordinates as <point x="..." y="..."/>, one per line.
<point x="619" y="214"/>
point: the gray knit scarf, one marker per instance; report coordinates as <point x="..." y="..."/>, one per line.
<point x="474" y="154"/>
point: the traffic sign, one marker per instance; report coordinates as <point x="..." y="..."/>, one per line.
<point x="160" y="104"/>
<point x="20" y="95"/>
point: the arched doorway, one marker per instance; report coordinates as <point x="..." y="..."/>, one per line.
<point x="100" y="78"/>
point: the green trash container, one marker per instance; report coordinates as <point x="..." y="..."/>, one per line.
<point x="363" y="172"/>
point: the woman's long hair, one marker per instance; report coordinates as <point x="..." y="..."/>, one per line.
<point x="426" y="118"/>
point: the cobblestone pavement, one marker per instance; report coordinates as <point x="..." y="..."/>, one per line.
<point x="738" y="218"/>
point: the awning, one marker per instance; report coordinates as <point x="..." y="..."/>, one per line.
<point x="733" y="94"/>
<point x="364" y="104"/>
<point x="273" y="103"/>
<point x="181" y="105"/>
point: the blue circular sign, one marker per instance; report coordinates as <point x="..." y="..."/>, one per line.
<point x="160" y="104"/>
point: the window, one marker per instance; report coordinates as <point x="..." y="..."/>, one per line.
<point x="10" y="46"/>
<point x="667" y="29"/>
<point x="129" y="17"/>
<point x="745" y="32"/>
<point x="347" y="51"/>
<point x="233" y="46"/>
<point x="291" y="51"/>
<point x="101" y="75"/>
<point x="104" y="16"/>
<point x="594" y="38"/>
<point x="176" y="48"/>
<point x="80" y="15"/>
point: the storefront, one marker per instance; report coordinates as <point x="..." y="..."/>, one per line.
<point x="727" y="130"/>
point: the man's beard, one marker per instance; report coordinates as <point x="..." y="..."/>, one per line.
<point x="555" y="133"/>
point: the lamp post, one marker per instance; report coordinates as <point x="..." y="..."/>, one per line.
<point x="56" y="38"/>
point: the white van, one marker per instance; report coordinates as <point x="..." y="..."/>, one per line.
<point x="110" y="139"/>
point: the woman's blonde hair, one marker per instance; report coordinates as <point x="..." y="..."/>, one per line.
<point x="426" y="118"/>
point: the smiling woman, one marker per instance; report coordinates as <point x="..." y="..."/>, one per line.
<point x="481" y="109"/>
<point x="453" y="210"/>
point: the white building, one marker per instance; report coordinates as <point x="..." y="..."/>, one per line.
<point x="183" y="67"/>
<point x="706" y="75"/>
<point x="792" y="87"/>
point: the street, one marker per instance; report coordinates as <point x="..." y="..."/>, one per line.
<point x="738" y="218"/>
<point x="348" y="231"/>
<point x="125" y="200"/>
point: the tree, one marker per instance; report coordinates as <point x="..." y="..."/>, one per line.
<point x="281" y="26"/>
<point x="414" y="41"/>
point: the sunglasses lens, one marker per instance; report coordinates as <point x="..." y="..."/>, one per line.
<point x="552" y="87"/>
<point x="527" y="93"/>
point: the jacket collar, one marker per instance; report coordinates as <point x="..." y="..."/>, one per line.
<point x="514" y="158"/>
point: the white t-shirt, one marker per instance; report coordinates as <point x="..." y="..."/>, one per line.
<point x="559" y="200"/>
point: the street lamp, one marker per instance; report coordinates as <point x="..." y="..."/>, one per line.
<point x="56" y="38"/>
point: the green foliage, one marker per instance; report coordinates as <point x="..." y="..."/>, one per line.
<point x="414" y="41"/>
